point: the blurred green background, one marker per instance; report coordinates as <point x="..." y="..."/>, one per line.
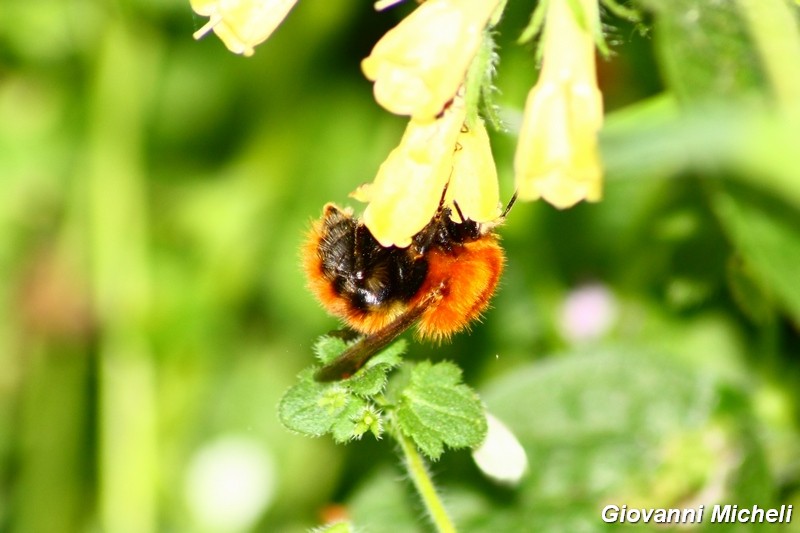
<point x="154" y="192"/>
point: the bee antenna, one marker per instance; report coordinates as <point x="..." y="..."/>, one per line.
<point x="458" y="210"/>
<point x="444" y="193"/>
<point x="510" y="205"/>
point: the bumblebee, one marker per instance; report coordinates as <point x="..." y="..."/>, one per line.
<point x="442" y="281"/>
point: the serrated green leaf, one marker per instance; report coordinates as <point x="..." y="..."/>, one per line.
<point x="316" y="408"/>
<point x="368" y="381"/>
<point x="391" y="355"/>
<point x="371" y="379"/>
<point x="327" y="348"/>
<point x="344" y="428"/>
<point x="312" y="408"/>
<point x="435" y="409"/>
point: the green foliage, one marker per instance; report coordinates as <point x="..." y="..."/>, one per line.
<point x="728" y="67"/>
<point x="346" y="408"/>
<point x="769" y="240"/>
<point x="614" y="425"/>
<point x="435" y="409"/>
<point x="430" y="405"/>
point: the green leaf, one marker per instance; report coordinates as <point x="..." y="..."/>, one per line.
<point x="371" y="379"/>
<point x="316" y="408"/>
<point x="767" y="236"/>
<point x="343" y="408"/>
<point x="311" y="407"/>
<point x="653" y="140"/>
<point x="435" y="409"/>
<point x="345" y="425"/>
<point x="591" y="422"/>
<point x="617" y="425"/>
<point x="728" y="65"/>
<point x="327" y="348"/>
<point x="391" y="355"/>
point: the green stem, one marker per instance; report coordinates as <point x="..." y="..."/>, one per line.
<point x="777" y="38"/>
<point x="424" y="484"/>
<point x="478" y="75"/>
<point x="116" y="227"/>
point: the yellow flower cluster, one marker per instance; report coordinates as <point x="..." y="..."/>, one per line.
<point x="419" y="69"/>
<point x="420" y="65"/>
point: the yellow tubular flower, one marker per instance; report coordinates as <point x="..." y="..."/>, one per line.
<point x="419" y="65"/>
<point x="241" y="24"/>
<point x="557" y="156"/>
<point x="473" y="184"/>
<point x="409" y="184"/>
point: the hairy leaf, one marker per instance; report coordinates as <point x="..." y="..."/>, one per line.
<point x="435" y="409"/>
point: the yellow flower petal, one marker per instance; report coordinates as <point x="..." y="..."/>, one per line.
<point x="242" y="24"/>
<point x="473" y="184"/>
<point x="419" y="65"/>
<point x="557" y="156"/>
<point x="408" y="187"/>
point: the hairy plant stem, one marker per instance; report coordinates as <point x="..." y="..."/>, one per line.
<point x="424" y="484"/>
<point x="478" y="76"/>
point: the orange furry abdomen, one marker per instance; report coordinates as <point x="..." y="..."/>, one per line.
<point x="465" y="280"/>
